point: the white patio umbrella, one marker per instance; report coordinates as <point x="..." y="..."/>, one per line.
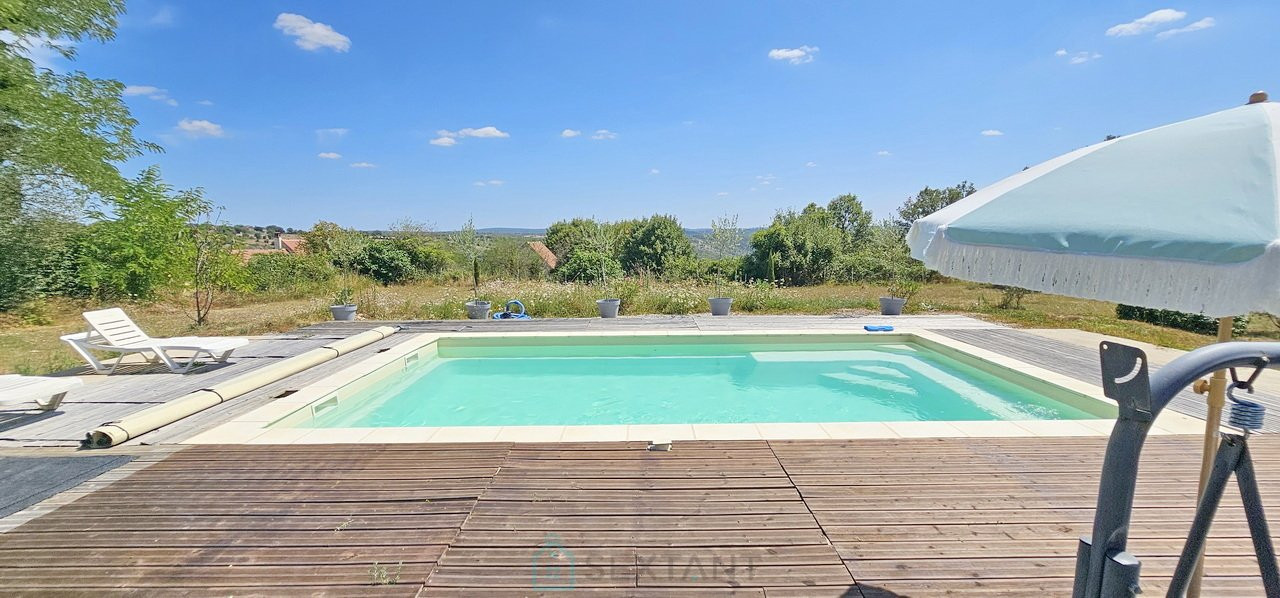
<point x="1184" y="216"/>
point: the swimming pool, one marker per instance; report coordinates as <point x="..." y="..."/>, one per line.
<point x="586" y="381"/>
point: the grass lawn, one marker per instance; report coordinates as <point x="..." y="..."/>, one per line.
<point x="29" y="339"/>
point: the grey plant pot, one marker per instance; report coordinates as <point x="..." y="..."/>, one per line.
<point x="892" y="306"/>
<point x="478" y="310"/>
<point x="608" y="307"/>
<point x="720" y="305"/>
<point x="343" y="313"/>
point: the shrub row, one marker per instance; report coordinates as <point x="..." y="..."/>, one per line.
<point x="1198" y="323"/>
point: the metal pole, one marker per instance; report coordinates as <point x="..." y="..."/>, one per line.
<point x="1213" y="420"/>
<point x="1225" y="463"/>
<point x="1258" y="528"/>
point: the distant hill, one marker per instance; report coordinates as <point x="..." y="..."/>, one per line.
<point x="501" y="231"/>
<point x="701" y="244"/>
<point x="261" y="236"/>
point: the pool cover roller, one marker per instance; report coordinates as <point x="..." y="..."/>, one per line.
<point x="131" y="426"/>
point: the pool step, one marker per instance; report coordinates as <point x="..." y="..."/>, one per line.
<point x="857" y="355"/>
<point x="870" y="383"/>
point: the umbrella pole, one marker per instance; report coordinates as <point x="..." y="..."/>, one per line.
<point x="1217" y="398"/>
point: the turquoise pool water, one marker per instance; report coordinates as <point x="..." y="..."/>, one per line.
<point x="614" y="382"/>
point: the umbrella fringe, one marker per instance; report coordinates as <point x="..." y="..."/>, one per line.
<point x="1181" y="285"/>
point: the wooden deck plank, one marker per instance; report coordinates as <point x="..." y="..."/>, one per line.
<point x="1083" y="364"/>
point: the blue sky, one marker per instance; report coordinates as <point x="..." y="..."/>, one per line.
<point x="440" y="111"/>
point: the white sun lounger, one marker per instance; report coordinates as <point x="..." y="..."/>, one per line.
<point x="46" y="393"/>
<point x="112" y="331"/>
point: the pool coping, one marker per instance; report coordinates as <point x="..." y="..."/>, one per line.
<point x="254" y="427"/>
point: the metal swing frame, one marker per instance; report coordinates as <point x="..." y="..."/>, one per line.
<point x="1104" y="569"/>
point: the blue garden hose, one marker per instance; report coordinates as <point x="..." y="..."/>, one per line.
<point x="508" y="314"/>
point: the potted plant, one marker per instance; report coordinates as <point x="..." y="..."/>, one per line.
<point x="600" y="241"/>
<point x="343" y="309"/>
<point x="726" y="240"/>
<point x="471" y="245"/>
<point x="901" y="289"/>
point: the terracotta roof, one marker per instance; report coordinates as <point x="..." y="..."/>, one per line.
<point x="543" y="252"/>
<point x="292" y="245"/>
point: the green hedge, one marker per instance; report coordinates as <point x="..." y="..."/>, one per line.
<point x="1198" y="323"/>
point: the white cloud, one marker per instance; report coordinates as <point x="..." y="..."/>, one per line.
<point x="152" y="92"/>
<point x="604" y="134"/>
<point x="799" y="55"/>
<point x="1146" y="23"/>
<point x="334" y="134"/>
<point x="311" y="35"/>
<point x="139" y="90"/>
<point x="205" y="102"/>
<point x="449" y="138"/>
<point x="810" y="164"/>
<point x="489" y="183"/>
<point x="163" y="17"/>
<point x="482" y="132"/>
<point x="570" y="133"/>
<point x="496" y="181"/>
<point x="1060" y="52"/>
<point x="992" y="133"/>
<point x="884" y="153"/>
<point x="200" y="128"/>
<point x="329" y="155"/>
<point x="1083" y="57"/>
<point x="40" y="50"/>
<point x="654" y="171"/>
<point x="722" y="194"/>
<point x="363" y="165"/>
<point x="1204" y="23"/>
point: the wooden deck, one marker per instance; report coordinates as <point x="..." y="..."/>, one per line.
<point x="870" y="518"/>
<point x="1082" y="364"/>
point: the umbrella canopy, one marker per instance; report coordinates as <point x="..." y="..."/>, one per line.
<point x="1184" y="216"/>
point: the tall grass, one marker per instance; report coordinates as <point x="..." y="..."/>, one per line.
<point x="29" y="337"/>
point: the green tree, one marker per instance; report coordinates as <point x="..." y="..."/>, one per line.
<point x="141" y="244"/>
<point x="725" y="240"/>
<point x="591" y="266"/>
<point x="654" y="244"/>
<point x="472" y="246"/>
<point x="930" y="200"/>
<point x="61" y="137"/>
<point x="883" y="256"/>
<point x="853" y="220"/>
<point x="384" y="261"/>
<point x="214" y="265"/>
<point x="798" y="247"/>
<point x="566" y="236"/>
<point x="287" y="271"/>
<point x="511" y="258"/>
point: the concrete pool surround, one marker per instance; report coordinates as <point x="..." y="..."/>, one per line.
<point x="270" y="424"/>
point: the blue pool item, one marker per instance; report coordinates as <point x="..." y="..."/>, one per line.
<point x="877" y="328"/>
<point x="508" y="314"/>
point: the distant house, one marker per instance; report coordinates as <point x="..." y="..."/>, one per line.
<point x="545" y="253"/>
<point x="281" y="243"/>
